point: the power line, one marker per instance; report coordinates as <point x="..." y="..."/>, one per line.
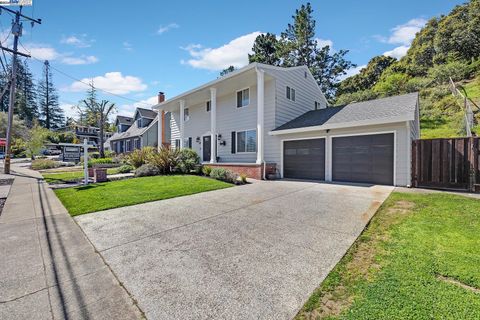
<point x="88" y="84"/>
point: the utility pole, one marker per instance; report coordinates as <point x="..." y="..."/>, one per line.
<point x="17" y="32"/>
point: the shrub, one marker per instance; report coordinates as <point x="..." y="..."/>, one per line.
<point x="42" y="164"/>
<point x="223" y="175"/>
<point x="188" y="159"/>
<point x="138" y="157"/>
<point x="126" y="168"/>
<point x="243" y="177"/>
<point x="147" y="170"/>
<point x="94" y="155"/>
<point x="95" y="162"/>
<point x="166" y="159"/>
<point x="206" y="170"/>
<point x="456" y="70"/>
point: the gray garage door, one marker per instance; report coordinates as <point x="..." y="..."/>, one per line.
<point x="304" y="159"/>
<point x="367" y="158"/>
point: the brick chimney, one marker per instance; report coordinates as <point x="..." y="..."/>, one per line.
<point x="161" y="98"/>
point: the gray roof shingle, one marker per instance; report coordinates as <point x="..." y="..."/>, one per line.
<point x="378" y="110"/>
<point x="147" y="113"/>
<point x="124" y="120"/>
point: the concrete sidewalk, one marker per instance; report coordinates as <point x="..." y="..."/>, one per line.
<point x="48" y="268"/>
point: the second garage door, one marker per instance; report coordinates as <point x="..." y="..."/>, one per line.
<point x="304" y="159"/>
<point x="367" y="158"/>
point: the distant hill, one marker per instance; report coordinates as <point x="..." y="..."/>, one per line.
<point x="448" y="46"/>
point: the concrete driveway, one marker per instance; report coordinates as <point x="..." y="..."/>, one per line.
<point x="250" y="252"/>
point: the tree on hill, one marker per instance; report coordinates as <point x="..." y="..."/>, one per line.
<point x="368" y="76"/>
<point x="52" y="116"/>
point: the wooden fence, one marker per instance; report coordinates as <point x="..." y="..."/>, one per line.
<point x="446" y="164"/>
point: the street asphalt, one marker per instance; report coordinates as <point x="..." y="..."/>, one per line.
<point x="250" y="252"/>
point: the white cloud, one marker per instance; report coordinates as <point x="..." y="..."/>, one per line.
<point x="42" y="52"/>
<point x="405" y="33"/>
<point x="46" y="52"/>
<point x="127" y="46"/>
<point x="80" y="41"/>
<point x="352" y="72"/>
<point x="397" y="52"/>
<point x="79" y="60"/>
<point x="69" y="110"/>
<point x="233" y="53"/>
<point x="324" y="42"/>
<point x="403" y="36"/>
<point x="129" y="109"/>
<point x="163" y="29"/>
<point x="113" y="82"/>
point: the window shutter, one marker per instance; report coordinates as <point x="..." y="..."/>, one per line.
<point x="190" y="142"/>
<point x="234" y="135"/>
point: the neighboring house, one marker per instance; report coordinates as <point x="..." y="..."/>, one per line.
<point x="137" y="132"/>
<point x="86" y="132"/>
<point x="266" y="118"/>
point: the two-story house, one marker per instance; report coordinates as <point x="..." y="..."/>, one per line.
<point x="262" y="118"/>
<point x="137" y="132"/>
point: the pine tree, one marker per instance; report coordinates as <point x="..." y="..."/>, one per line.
<point x="265" y="50"/>
<point x="26" y="100"/>
<point x="51" y="114"/>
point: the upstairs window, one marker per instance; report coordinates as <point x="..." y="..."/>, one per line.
<point x="186" y="115"/>
<point x="243" y="98"/>
<point x="209" y="105"/>
<point x="139" y="123"/>
<point x="290" y="94"/>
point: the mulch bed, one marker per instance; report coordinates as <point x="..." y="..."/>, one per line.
<point x="5" y="182"/>
<point x="2" y="203"/>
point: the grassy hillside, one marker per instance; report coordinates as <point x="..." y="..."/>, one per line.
<point x="447" y="47"/>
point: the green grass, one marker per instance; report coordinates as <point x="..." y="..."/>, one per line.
<point x="438" y="128"/>
<point x="395" y="268"/>
<point x="108" y="195"/>
<point x="473" y="89"/>
<point x="72" y="176"/>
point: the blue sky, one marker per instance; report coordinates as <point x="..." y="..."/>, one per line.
<point x="172" y="46"/>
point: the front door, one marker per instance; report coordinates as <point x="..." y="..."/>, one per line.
<point x="207" y="148"/>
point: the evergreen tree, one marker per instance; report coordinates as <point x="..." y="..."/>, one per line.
<point x="25" y="96"/>
<point x="265" y="50"/>
<point x="51" y="114"/>
<point x="227" y="71"/>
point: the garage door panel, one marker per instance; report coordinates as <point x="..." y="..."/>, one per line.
<point x="304" y="159"/>
<point x="367" y="158"/>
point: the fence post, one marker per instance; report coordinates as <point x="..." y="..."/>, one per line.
<point x="413" y="165"/>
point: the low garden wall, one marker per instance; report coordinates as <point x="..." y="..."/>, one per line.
<point x="251" y="170"/>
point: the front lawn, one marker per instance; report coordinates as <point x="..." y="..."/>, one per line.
<point x="108" y="195"/>
<point x="69" y="176"/>
<point x="419" y="258"/>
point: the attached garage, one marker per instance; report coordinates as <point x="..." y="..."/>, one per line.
<point x="364" y="158"/>
<point x="365" y="142"/>
<point x="304" y="159"/>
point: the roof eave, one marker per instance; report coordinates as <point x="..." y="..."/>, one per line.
<point x="342" y="125"/>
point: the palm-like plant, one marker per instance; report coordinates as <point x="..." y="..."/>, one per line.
<point x="100" y="112"/>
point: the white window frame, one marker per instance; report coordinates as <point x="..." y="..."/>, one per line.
<point x="246" y="141"/>
<point x="186" y="114"/>
<point x="236" y="98"/>
<point x="128" y="145"/>
<point x="290" y="93"/>
<point x="317" y="105"/>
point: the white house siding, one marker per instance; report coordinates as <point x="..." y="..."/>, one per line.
<point x="197" y="126"/>
<point x="306" y="93"/>
<point x="402" y="158"/>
